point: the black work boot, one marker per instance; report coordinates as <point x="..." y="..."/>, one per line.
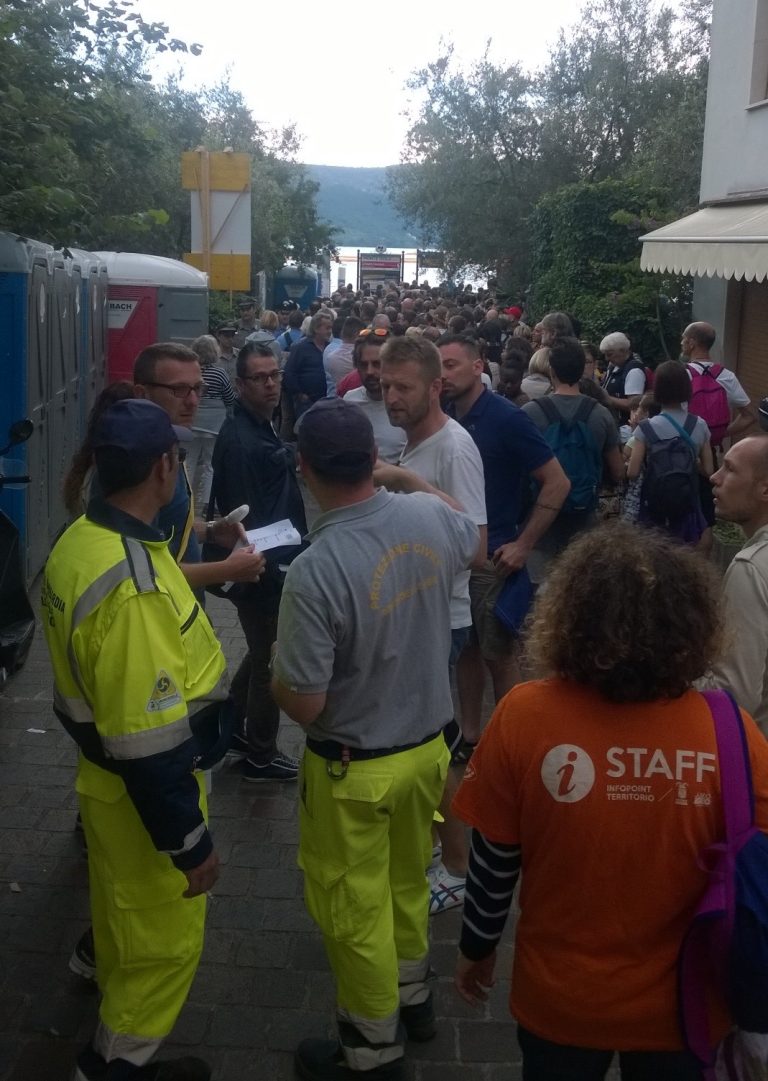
<point x="323" y="1060"/>
<point x="172" y="1069"/>
<point x="419" y="1020"/>
<point x="92" y="1067"/>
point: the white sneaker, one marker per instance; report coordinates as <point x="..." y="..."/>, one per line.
<point x="435" y="864"/>
<point x="446" y="891"/>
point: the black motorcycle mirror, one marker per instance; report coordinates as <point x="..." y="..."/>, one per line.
<point x="19" y="432"/>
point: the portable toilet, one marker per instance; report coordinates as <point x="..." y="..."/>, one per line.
<point x="92" y="336"/>
<point x="26" y="371"/>
<point x="299" y="284"/>
<point x="150" y="299"/>
<point x="63" y="411"/>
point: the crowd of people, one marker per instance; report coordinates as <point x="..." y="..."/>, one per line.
<point x="446" y="464"/>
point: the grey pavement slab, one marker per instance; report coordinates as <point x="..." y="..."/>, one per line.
<point x="263" y="983"/>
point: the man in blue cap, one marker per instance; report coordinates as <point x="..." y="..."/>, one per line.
<point x="141" y="686"/>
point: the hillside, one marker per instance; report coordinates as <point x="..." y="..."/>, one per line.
<point x="355" y="202"/>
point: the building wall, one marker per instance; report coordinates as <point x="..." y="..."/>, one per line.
<point x="735" y="164"/>
<point x="738" y="310"/>
<point x="710" y="301"/>
<point x="735" y="158"/>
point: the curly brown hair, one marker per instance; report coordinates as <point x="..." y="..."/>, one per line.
<point x="628" y="612"/>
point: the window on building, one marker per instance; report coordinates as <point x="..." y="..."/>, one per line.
<point x="758" y="90"/>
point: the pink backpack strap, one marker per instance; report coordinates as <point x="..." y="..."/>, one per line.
<point x="704" y="951"/>
<point x="733" y="764"/>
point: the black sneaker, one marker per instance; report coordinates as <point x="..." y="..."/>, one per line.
<point x="83" y="959"/>
<point x="463" y="753"/>
<point x="281" y="768"/>
<point x="419" y="1020"/>
<point x="92" y="1067"/>
<point x="238" y="748"/>
<point x="173" y="1069"/>
<point x="323" y="1060"/>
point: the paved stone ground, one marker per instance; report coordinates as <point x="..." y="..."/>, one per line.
<point x="264" y="981"/>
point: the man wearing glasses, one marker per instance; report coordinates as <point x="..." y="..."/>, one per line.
<point x="252" y="465"/>
<point x="169" y="375"/>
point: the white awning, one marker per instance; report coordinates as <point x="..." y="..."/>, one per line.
<point x="727" y="241"/>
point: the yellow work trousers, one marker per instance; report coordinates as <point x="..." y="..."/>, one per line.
<point x="148" y="938"/>
<point x="366" y="840"/>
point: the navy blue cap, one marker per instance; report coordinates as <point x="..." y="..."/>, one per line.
<point x="335" y="437"/>
<point x="138" y="426"/>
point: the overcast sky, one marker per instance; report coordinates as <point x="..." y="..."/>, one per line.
<point x="340" y="72"/>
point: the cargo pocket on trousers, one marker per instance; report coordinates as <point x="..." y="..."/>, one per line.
<point x="155" y="923"/>
<point x="324" y="892"/>
<point x="341" y="893"/>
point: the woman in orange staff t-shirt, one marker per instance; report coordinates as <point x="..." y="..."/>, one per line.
<point x="601" y="782"/>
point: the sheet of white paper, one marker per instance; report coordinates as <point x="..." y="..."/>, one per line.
<point x="272" y="536"/>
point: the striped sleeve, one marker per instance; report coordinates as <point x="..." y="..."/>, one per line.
<point x="217" y="385"/>
<point x="491" y="879"/>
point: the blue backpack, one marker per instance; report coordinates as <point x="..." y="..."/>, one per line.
<point x="726" y="945"/>
<point x="574" y="446"/>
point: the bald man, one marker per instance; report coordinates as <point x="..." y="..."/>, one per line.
<point x="741" y="495"/>
<point x="696" y="343"/>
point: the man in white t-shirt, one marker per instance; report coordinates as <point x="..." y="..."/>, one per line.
<point x="439" y="456"/>
<point x="390" y="440"/>
<point x="696" y="344"/>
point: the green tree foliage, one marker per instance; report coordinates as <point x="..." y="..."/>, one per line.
<point x="585" y="240"/>
<point x="91" y="148"/>
<point x="64" y="69"/>
<point x="608" y="79"/>
<point x="470" y="162"/>
<point x="621" y="98"/>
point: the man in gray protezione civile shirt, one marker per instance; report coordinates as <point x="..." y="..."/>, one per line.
<point x="363" y="634"/>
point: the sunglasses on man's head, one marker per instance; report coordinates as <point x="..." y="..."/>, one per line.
<point x="377" y="332"/>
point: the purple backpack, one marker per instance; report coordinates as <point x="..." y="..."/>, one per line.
<point x="726" y="945"/>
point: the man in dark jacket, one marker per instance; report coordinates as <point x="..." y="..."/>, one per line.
<point x="252" y="465"/>
<point x="626" y="375"/>
<point x="305" y="381"/>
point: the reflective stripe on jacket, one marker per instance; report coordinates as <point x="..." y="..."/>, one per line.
<point x="134" y="658"/>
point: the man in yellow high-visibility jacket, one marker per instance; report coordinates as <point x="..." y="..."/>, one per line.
<point x="140" y="685"/>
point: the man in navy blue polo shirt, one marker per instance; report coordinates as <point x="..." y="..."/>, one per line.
<point x="513" y="451"/>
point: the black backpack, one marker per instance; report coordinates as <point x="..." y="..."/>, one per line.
<point x="670" y="488"/>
